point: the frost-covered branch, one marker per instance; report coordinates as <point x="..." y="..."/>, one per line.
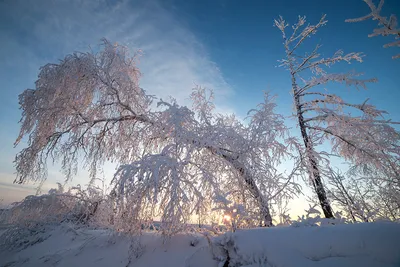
<point x="346" y="78"/>
<point x="306" y="32"/>
<point x="315" y="66"/>
<point x="389" y="25"/>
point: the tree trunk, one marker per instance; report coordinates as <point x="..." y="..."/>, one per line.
<point x="253" y="188"/>
<point x="314" y="173"/>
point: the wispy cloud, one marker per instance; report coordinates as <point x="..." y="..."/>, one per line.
<point x="10" y="192"/>
<point x="173" y="59"/>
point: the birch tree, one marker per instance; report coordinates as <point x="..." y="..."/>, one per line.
<point x="388" y="26"/>
<point x="357" y="132"/>
<point x="90" y="108"/>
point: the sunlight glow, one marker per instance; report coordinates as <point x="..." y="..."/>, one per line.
<point x="227" y="218"/>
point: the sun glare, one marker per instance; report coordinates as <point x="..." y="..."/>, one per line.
<point x="227" y="218"/>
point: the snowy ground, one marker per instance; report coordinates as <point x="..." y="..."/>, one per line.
<point x="366" y="245"/>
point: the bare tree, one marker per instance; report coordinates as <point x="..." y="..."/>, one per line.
<point x="388" y="26"/>
<point x="356" y="132"/>
<point x="90" y="108"/>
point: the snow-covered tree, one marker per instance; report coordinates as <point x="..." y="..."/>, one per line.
<point x="75" y="204"/>
<point x="364" y="197"/>
<point x="379" y="188"/>
<point x="357" y="132"/>
<point x="213" y="154"/>
<point x="90" y="108"/>
<point x="349" y="196"/>
<point x="388" y="26"/>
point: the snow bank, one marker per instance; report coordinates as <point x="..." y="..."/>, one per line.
<point x="367" y="245"/>
<point x="64" y="246"/>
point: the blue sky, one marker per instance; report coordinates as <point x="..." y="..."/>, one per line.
<point x="228" y="45"/>
<point x="241" y="40"/>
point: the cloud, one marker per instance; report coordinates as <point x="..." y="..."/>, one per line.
<point x="10" y="192"/>
<point x="173" y="60"/>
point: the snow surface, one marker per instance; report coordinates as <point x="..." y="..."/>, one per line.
<point x="366" y="245"/>
<point x="351" y="245"/>
<point x="68" y="247"/>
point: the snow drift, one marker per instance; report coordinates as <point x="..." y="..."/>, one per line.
<point x="366" y="244"/>
<point x="347" y="245"/>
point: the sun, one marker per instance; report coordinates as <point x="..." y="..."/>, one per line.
<point x="227" y="218"/>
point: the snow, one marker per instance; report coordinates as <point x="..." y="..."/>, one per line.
<point x="367" y="245"/>
<point x="347" y="245"/>
<point x="66" y="246"/>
